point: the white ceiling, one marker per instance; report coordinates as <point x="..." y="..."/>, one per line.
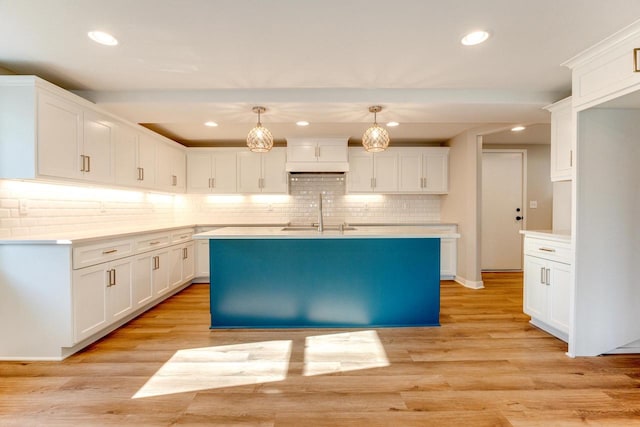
<point x="182" y="62"/>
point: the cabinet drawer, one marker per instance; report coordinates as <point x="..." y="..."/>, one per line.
<point x="548" y="249"/>
<point x="182" y="235"/>
<point x="152" y="241"/>
<point x="85" y="256"/>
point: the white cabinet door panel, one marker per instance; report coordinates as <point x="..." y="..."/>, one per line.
<point x="535" y="288"/>
<point x="436" y="172"/>
<point x="142" y="285"/>
<point x="120" y="294"/>
<point x="360" y="175"/>
<point x="89" y="301"/>
<point x="249" y="172"/>
<point x="199" y="172"/>
<point x="59" y="136"/>
<point x="385" y="172"/>
<point x="274" y="176"/>
<point x="410" y="164"/>
<point x="98" y="146"/>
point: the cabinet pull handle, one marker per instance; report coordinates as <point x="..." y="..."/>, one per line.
<point x="156" y="262"/>
<point x="140" y="174"/>
<point x="111" y="278"/>
<point x="542" y="274"/>
<point x="213" y="183"/>
<point x="184" y="253"/>
<point x="184" y="236"/>
<point x="319" y="153"/>
<point x="110" y="251"/>
<point x="548" y="275"/>
<point x="155" y="243"/>
<point x="88" y="163"/>
<point x="82" y="156"/>
<point x="547" y="249"/>
<point x="142" y="170"/>
<point x="571" y="158"/>
<point x="174" y="180"/>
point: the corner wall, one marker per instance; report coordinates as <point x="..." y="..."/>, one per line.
<point x="461" y="205"/>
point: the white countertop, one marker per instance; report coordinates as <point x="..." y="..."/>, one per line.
<point x="360" y="232"/>
<point x="99" y="233"/>
<point x="561" y="235"/>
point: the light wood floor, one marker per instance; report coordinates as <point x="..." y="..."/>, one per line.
<point x="485" y="366"/>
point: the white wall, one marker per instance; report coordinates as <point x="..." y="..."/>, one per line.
<point x="462" y="204"/>
<point x="606" y="232"/>
<point x="561" y="206"/>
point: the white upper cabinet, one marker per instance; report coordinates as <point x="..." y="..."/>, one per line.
<point x="399" y="170"/>
<point x="262" y="172"/>
<point x="607" y="70"/>
<point x="424" y="170"/>
<point x="59" y="137"/>
<point x="317" y="155"/>
<point x="73" y="142"/>
<point x="561" y="140"/>
<point x="212" y="170"/>
<point x="372" y="173"/>
<point x="171" y="168"/>
<point x="98" y="147"/>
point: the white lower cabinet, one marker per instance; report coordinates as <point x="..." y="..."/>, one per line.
<point x="547" y="285"/>
<point x="109" y="289"/>
<point x="101" y="294"/>
<point x="448" y="257"/>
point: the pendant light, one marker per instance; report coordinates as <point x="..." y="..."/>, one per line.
<point x="376" y="138"/>
<point x="259" y="139"/>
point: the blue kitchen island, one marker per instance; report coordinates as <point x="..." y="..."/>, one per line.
<point x="270" y="277"/>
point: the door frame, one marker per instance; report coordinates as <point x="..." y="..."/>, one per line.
<point x="522" y="151"/>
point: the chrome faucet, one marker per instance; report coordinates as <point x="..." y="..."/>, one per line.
<point x="320" y="220"/>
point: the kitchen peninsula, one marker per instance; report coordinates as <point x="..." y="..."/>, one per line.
<point x="264" y="277"/>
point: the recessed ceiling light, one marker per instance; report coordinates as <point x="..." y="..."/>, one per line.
<point x="302" y="123"/>
<point x="474" y="38"/>
<point x="518" y="128"/>
<point x="392" y="124"/>
<point x="102" y="38"/>
<point x="211" y="124"/>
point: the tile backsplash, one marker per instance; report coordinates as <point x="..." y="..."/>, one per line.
<point x="33" y="208"/>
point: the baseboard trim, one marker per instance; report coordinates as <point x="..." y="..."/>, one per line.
<point x="471" y="284"/>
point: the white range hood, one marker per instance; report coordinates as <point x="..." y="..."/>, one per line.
<point x="317" y="155"/>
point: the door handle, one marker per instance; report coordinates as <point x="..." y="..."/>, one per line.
<point x="518" y="218"/>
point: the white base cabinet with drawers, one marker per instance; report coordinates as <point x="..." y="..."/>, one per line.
<point x="58" y="297"/>
<point x="547" y="284"/>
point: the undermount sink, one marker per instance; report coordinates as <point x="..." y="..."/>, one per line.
<point x="312" y="228"/>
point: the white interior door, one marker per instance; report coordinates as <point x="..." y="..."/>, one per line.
<point x="502" y="210"/>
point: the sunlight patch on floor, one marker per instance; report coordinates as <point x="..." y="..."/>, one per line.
<point x="221" y="366"/>
<point x="349" y="351"/>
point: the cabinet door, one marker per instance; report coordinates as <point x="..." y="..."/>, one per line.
<point x="59" y="137"/>
<point x="249" y="172"/>
<point x="98" y="147"/>
<point x="332" y="151"/>
<point x="535" y="288"/>
<point x="165" y="176"/>
<point x="160" y="272"/>
<point x="436" y="172"/>
<point x="119" y="293"/>
<point x="202" y="258"/>
<point x="143" y="282"/>
<point x="147" y="160"/>
<point x="410" y="175"/>
<point x="360" y="175"/>
<point x="559" y="295"/>
<point x="178" y="170"/>
<point x="385" y="172"/>
<point x="200" y="172"/>
<point x="188" y="261"/>
<point x="448" y="258"/>
<point x="126" y="156"/>
<point x="175" y="265"/>
<point x="89" y="300"/>
<point x="561" y="150"/>
<point x="274" y="175"/>
<point x="224" y="172"/>
<point x="302" y="151"/>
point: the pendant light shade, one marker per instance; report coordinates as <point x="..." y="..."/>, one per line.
<point x="376" y="138"/>
<point x="259" y="139"/>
